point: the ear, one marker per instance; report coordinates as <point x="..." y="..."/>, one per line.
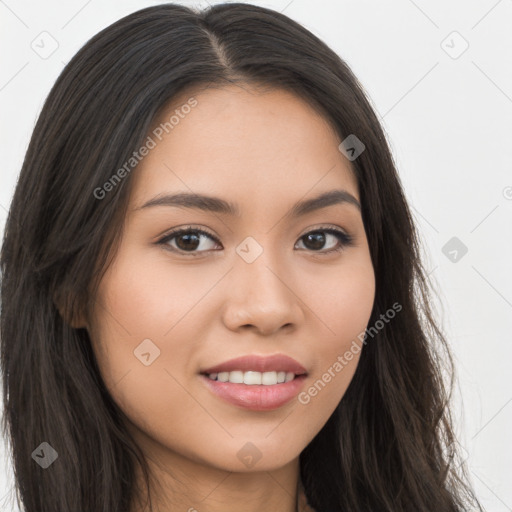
<point x="75" y="320"/>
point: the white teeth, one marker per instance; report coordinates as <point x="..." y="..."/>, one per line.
<point x="269" y="378"/>
<point x="236" y="377"/>
<point x="253" y="378"/>
<point x="223" y="376"/>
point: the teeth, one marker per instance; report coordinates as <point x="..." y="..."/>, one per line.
<point x="235" y="377"/>
<point x="253" y="378"/>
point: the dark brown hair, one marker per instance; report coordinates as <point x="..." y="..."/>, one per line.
<point x="389" y="444"/>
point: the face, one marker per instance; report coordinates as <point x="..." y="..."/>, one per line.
<point x="287" y="290"/>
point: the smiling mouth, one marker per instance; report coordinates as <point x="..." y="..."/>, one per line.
<point x="253" y="378"/>
<point x="256" y="391"/>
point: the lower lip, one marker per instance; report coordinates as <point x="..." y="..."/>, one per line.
<point x="256" y="397"/>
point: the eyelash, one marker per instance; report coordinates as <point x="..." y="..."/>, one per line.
<point x="345" y="239"/>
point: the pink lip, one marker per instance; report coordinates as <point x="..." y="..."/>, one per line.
<point x="274" y="363"/>
<point x="256" y="397"/>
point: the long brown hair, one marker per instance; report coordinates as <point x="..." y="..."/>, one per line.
<point x="389" y="445"/>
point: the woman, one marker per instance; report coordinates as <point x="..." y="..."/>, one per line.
<point x="212" y="297"/>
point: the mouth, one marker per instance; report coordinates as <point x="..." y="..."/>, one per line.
<point x="253" y="378"/>
<point x="255" y="397"/>
<point x="257" y="383"/>
<point x="255" y="365"/>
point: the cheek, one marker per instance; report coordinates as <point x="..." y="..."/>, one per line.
<point x="149" y="308"/>
<point x="146" y="298"/>
<point x="343" y="303"/>
<point x="341" y="297"/>
<point x="138" y="336"/>
<point x="137" y="308"/>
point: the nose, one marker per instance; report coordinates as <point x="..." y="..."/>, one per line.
<point x="263" y="297"/>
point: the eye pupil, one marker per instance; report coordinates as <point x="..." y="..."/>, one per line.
<point x="318" y="239"/>
<point x="188" y="237"/>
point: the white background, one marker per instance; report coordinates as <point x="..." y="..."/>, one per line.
<point x="449" y="122"/>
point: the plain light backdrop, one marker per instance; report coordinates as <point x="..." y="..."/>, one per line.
<point x="439" y="75"/>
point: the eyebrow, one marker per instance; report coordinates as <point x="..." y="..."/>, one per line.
<point x="221" y="206"/>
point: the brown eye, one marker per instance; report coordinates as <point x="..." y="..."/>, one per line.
<point x="187" y="240"/>
<point x="316" y="240"/>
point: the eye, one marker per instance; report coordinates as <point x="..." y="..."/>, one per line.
<point x="188" y="240"/>
<point x="319" y="237"/>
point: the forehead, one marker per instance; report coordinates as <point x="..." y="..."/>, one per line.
<point x="243" y="142"/>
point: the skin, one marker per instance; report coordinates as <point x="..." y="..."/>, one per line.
<point x="264" y="150"/>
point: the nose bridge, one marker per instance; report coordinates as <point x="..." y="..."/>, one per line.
<point x="261" y="295"/>
<point x="259" y="268"/>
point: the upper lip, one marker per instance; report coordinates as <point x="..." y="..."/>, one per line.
<point x="274" y="363"/>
